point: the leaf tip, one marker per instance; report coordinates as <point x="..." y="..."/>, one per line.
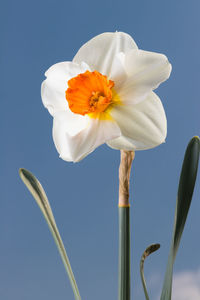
<point x="152" y="248"/>
<point x="195" y="139"/>
<point x="23" y="172"/>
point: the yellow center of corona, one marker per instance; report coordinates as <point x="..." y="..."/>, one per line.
<point x="91" y="93"/>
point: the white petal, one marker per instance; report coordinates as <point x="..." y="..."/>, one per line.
<point x="118" y="72"/>
<point x="100" y="51"/>
<point x="66" y="70"/>
<point x="146" y="70"/>
<point x="125" y="143"/>
<point x="53" y="96"/>
<point x="70" y="122"/>
<point x="76" y="147"/>
<point x="143" y="126"/>
<point x="54" y="87"/>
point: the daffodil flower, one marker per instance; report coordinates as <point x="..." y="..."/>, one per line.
<point x="105" y="95"/>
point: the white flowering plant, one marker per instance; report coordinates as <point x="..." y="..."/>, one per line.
<point x="106" y="95"/>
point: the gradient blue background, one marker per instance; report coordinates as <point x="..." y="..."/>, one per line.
<point x="35" y="35"/>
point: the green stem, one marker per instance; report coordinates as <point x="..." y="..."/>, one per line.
<point x="124" y="253"/>
<point x="152" y="248"/>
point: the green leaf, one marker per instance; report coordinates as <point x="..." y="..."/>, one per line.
<point x="152" y="248"/>
<point x="38" y="193"/>
<point x="184" y="197"/>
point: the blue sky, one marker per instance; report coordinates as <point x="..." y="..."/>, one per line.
<point x="34" y="36"/>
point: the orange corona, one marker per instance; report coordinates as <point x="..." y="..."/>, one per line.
<point x="90" y="93"/>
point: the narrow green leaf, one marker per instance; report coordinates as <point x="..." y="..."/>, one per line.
<point x="152" y="248"/>
<point x="39" y="195"/>
<point x="184" y="197"/>
<point x="124" y="253"/>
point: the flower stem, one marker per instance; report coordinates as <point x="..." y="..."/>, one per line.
<point x="124" y="225"/>
<point x="124" y="254"/>
<point x="124" y="177"/>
